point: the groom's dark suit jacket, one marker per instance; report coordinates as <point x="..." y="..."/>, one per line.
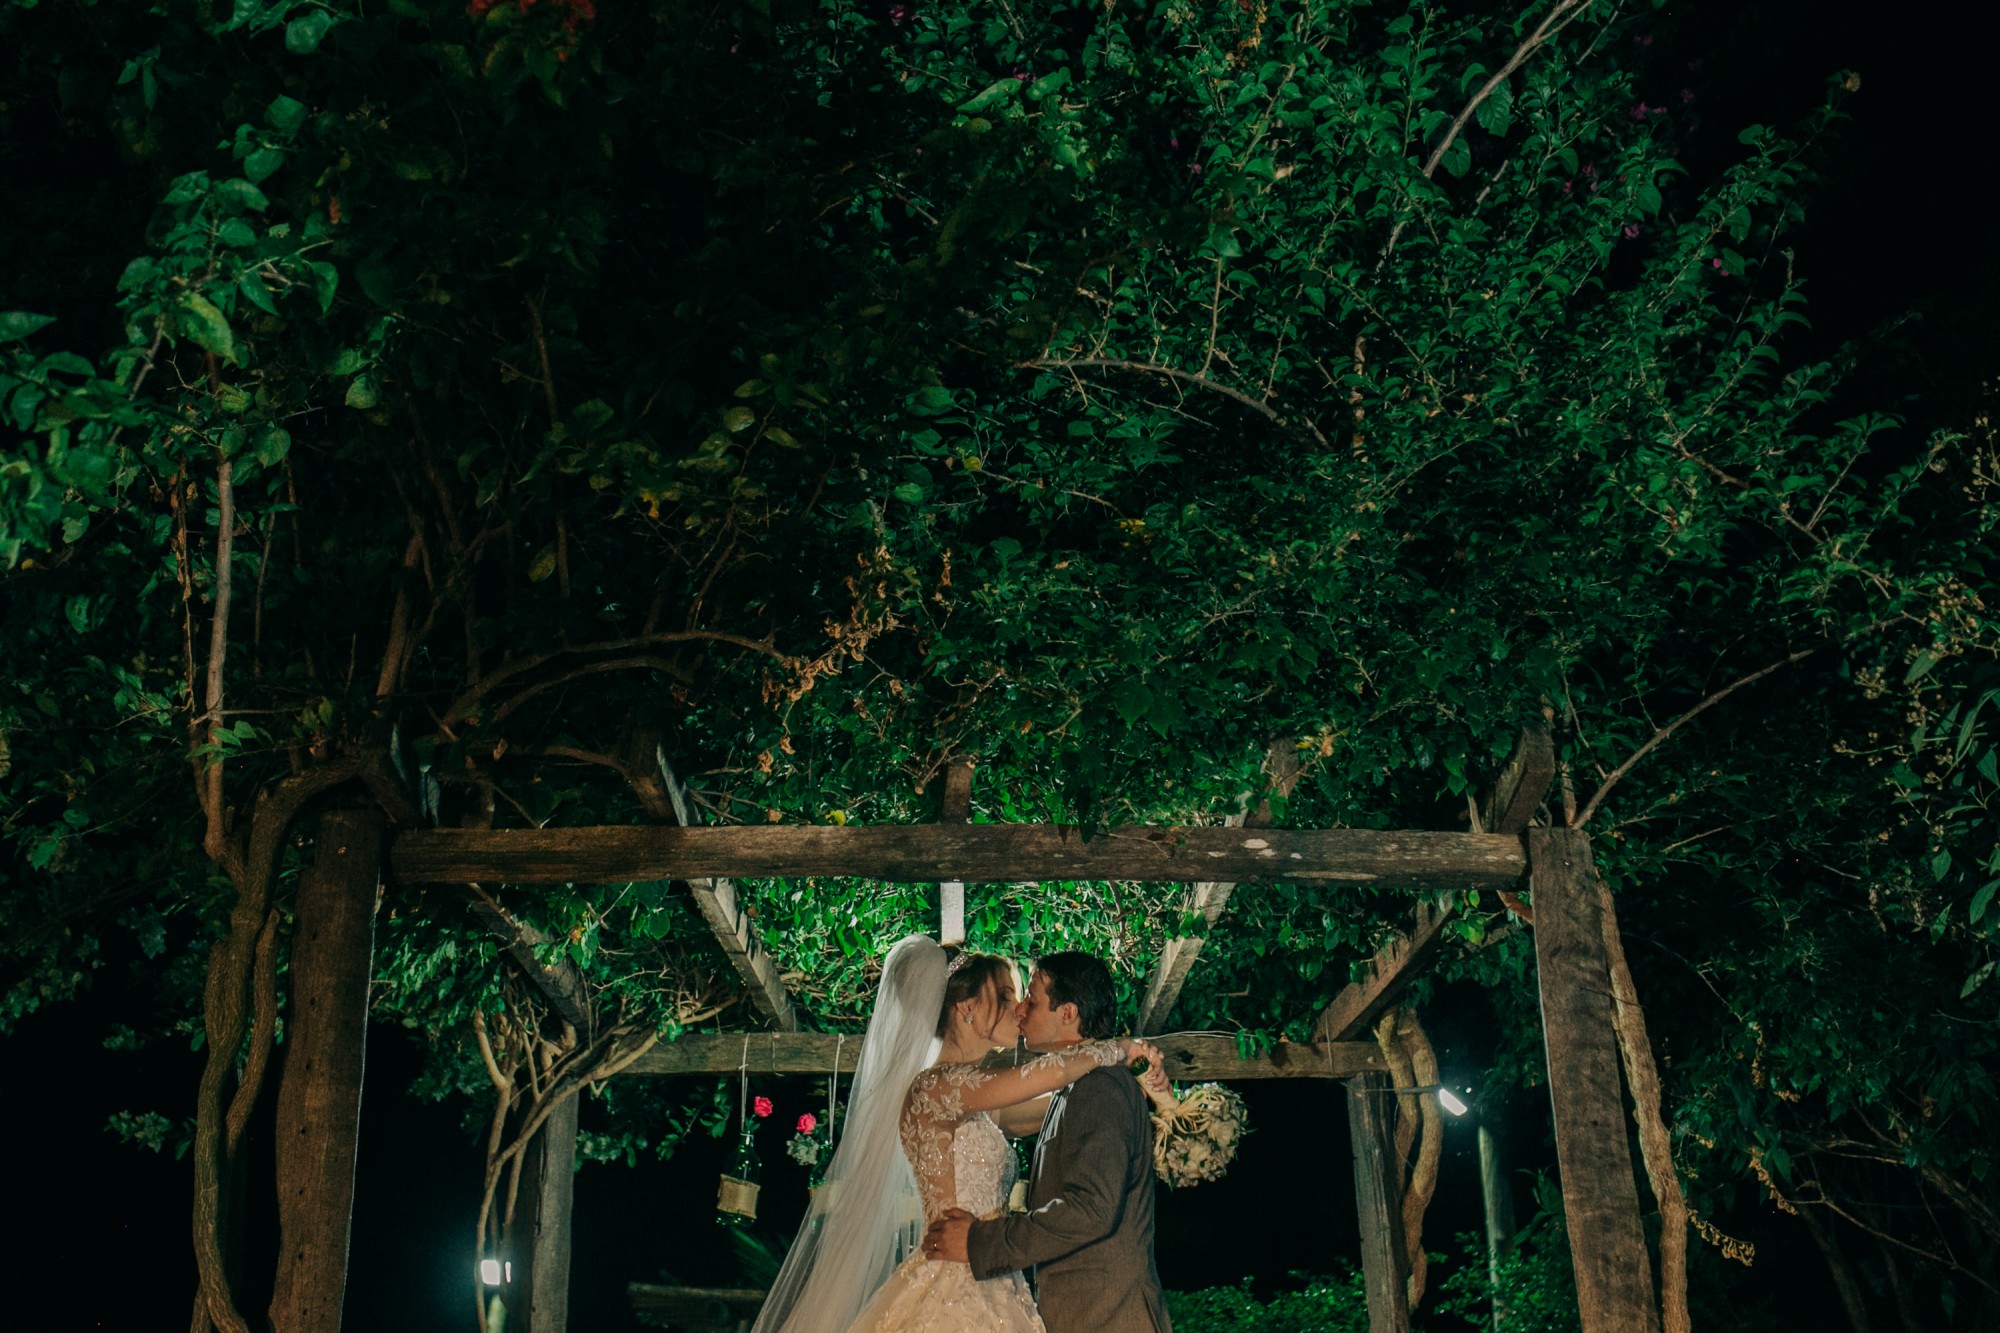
<point x="1088" y="1231"/>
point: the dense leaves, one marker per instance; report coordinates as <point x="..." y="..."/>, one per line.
<point x="520" y="392"/>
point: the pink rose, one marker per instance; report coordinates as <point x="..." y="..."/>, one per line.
<point x="760" y="1106"/>
<point x="808" y="1123"/>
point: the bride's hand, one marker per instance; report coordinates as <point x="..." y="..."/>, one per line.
<point x="1138" y="1048"/>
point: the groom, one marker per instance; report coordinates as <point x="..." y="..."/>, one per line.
<point x="1088" y="1231"/>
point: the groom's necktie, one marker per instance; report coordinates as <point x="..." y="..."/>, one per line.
<point x="1049" y="1123"/>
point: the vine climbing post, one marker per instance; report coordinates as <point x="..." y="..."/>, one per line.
<point x="1371" y="1114"/>
<point x="540" y="1239"/>
<point x="319" y="1095"/>
<point x="1614" y="1273"/>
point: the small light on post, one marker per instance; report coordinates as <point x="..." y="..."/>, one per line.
<point x="1451" y="1102"/>
<point x="495" y="1272"/>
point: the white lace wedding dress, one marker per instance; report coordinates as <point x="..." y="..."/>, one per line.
<point x="962" y="1160"/>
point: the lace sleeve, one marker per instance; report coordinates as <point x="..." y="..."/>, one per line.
<point x="949" y="1093"/>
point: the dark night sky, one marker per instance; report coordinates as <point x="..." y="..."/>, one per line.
<point x="100" y="1231"/>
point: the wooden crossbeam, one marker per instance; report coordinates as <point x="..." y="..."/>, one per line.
<point x="977" y="853"/>
<point x="1510" y="804"/>
<point x="1522" y="783"/>
<point x="1353" y="1012"/>
<point x="715" y="898"/>
<point x="561" y="985"/>
<point x="1190" y="1055"/>
<point x="1170" y="974"/>
<point x="1211" y="899"/>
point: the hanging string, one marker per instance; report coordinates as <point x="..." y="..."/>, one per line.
<point x="743" y="1089"/>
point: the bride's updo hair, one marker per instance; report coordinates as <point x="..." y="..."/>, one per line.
<point x="968" y="977"/>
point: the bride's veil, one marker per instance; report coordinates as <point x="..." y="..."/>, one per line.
<point x="865" y="1218"/>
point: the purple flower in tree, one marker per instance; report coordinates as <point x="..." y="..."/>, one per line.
<point x="898" y="15"/>
<point x="1631" y="231"/>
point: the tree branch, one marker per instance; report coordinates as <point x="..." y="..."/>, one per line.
<point x="467" y="704"/>
<point x="1262" y="409"/>
<point x="1660" y="736"/>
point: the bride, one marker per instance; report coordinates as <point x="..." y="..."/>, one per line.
<point x="920" y="1140"/>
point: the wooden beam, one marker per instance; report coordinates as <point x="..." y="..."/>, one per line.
<point x="715" y="898"/>
<point x="1398" y="963"/>
<point x="319" y="1095"/>
<point x="1205" y="1056"/>
<point x="1511" y="803"/>
<point x="1170" y="974"/>
<point x="981" y="853"/>
<point x="562" y="985"/>
<point x="1522" y="784"/>
<point x="722" y="1309"/>
<point x="1211" y="899"/>
<point x="1378" y="1200"/>
<point x="1614" y="1272"/>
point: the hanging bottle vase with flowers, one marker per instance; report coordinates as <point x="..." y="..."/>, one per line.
<point x="736" y="1197"/>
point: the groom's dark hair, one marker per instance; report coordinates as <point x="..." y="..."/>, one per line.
<point x="1084" y="981"/>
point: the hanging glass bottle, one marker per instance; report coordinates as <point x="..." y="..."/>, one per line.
<point x="736" y="1196"/>
<point x="736" y="1200"/>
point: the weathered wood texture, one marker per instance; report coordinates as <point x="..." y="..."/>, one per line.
<point x="1211" y="899"/>
<point x="562" y="985"/>
<point x="975" y="853"/>
<point x="1371" y="1118"/>
<point x="1189" y="1056"/>
<point x="541" y="1233"/>
<point x="1614" y="1273"/>
<point x="319" y="1097"/>
<point x="954" y="807"/>
<point x="1519" y="789"/>
<point x="1496" y="1188"/>
<point x="1177" y="957"/>
<point x="1354" y="1010"/>
<point x="705" y="1309"/>
<point x="715" y="898"/>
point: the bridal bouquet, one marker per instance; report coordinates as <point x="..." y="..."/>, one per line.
<point x="1195" y="1139"/>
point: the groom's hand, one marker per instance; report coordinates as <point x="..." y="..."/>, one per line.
<point x="946" y="1238"/>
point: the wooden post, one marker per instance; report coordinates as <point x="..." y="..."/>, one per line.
<point x="1614" y="1273"/>
<point x="1378" y="1190"/>
<point x="319" y="1098"/>
<point x="954" y="807"/>
<point x="1499" y="1197"/>
<point x="541" y="1234"/>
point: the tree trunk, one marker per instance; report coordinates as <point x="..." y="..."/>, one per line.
<point x="319" y="1097"/>
<point x="1837" y="1267"/>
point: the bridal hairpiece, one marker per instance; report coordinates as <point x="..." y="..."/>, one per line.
<point x="956" y="963"/>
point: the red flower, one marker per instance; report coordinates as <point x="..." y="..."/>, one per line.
<point x="760" y="1106"/>
<point x="808" y="1123"/>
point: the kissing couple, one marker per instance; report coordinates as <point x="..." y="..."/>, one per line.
<point x="910" y="1231"/>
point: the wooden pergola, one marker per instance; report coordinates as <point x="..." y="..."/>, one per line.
<point x="1613" y="1267"/>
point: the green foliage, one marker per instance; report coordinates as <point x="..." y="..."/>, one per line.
<point x="1100" y="391"/>
<point x="1324" y="1305"/>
